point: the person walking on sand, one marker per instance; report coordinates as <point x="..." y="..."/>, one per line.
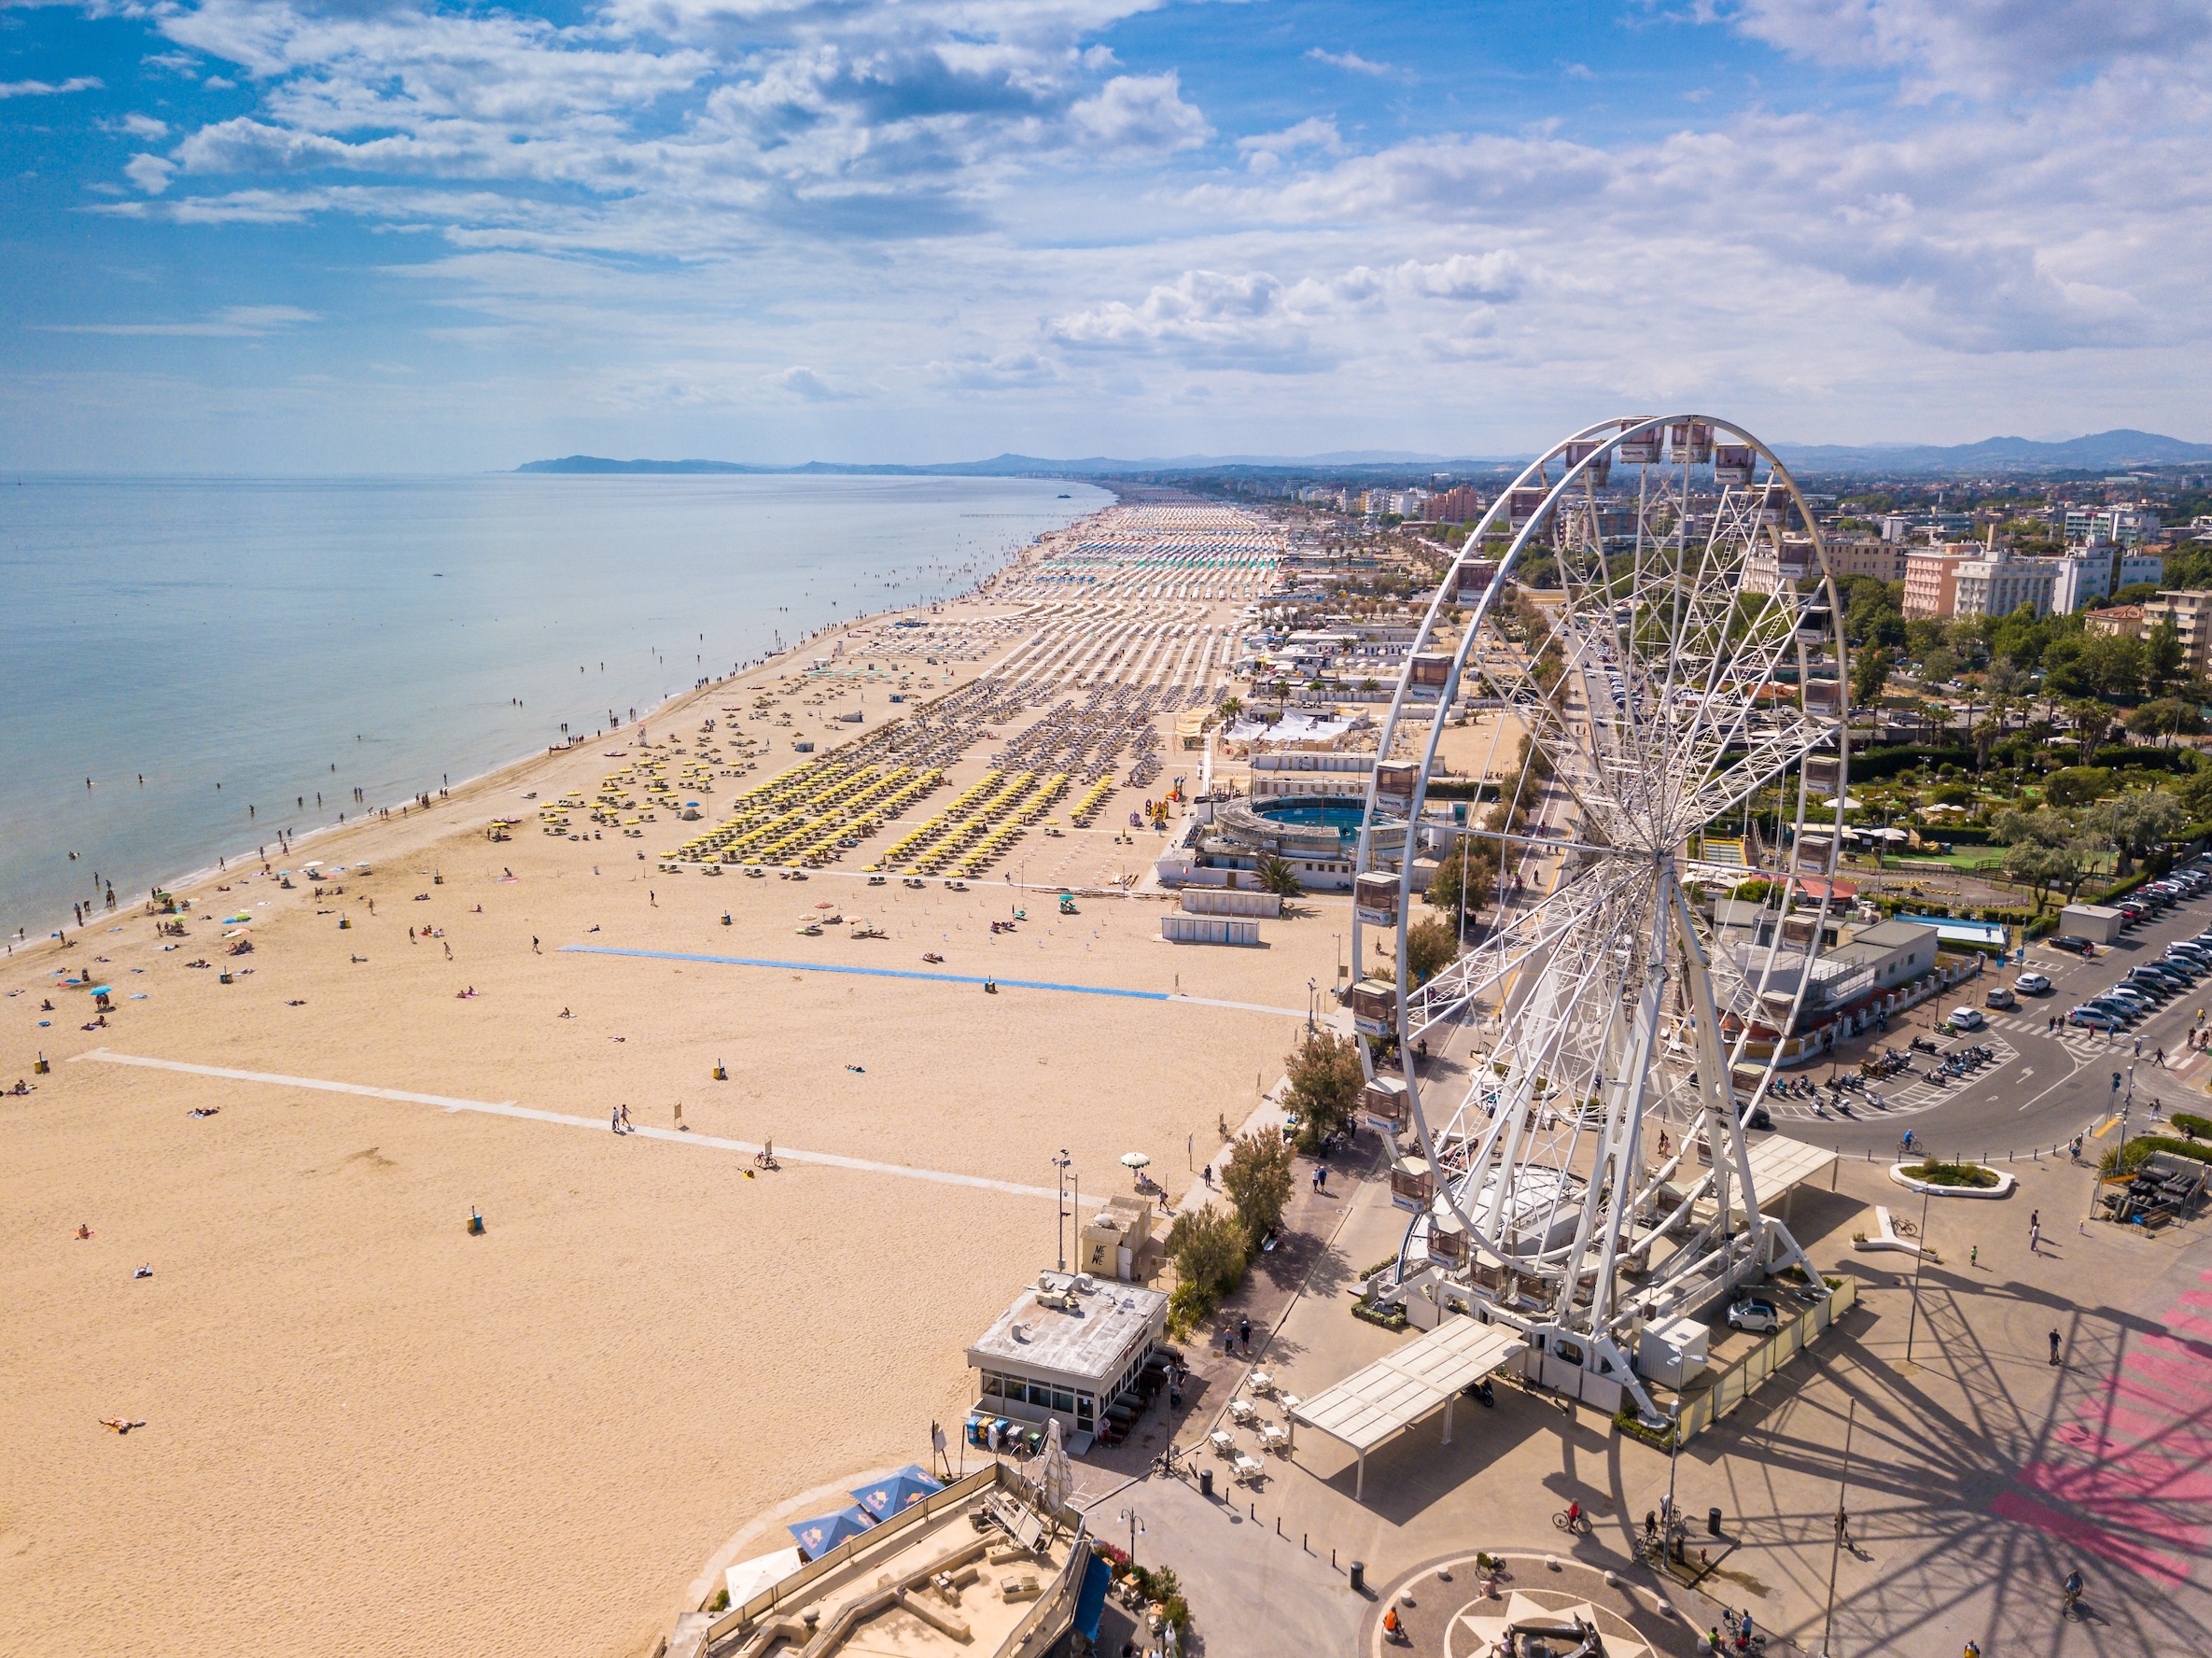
<point x="2034" y="1238"/>
<point x="614" y="1119"/>
<point x="2054" y="1346"/>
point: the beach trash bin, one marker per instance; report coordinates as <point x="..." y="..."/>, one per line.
<point x="225" y="978"/>
<point x="1359" y="1576"/>
<point x="1205" y="1482"/>
<point x="1713" y="1522"/>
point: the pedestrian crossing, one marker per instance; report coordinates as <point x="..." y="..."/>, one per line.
<point x="1906" y="1094"/>
<point x="2080" y="1039"/>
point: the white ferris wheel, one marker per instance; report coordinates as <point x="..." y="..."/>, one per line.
<point x="1577" y="1078"/>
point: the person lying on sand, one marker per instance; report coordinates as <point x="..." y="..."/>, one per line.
<point x="121" y="1424"/>
<point x="83" y="1230"/>
<point x="206" y="1110"/>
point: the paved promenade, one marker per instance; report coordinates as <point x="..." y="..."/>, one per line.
<point x="1980" y="1473"/>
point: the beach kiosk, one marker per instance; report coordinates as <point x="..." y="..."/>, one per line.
<point x="1070" y="1348"/>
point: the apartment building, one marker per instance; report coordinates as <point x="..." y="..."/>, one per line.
<point x="2190" y="611"/>
<point x="1457" y="505"/>
<point x="1931" y="581"/>
<point x="1999" y="585"/>
<point x="1865" y="556"/>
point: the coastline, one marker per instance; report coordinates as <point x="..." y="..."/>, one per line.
<point x="290" y="1110"/>
<point x="501" y="775"/>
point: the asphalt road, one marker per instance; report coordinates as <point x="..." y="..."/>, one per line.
<point x="2050" y="1087"/>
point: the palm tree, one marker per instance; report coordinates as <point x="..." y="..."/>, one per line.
<point x="1277" y="876"/>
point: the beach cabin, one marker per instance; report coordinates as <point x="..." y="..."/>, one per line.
<point x="1070" y="1347"/>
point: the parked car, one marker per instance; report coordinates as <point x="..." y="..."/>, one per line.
<point x="2032" y="983"/>
<point x="2000" y="997"/>
<point x="1965" y="1019"/>
<point x="2096" y="1018"/>
<point x="2071" y="942"/>
<point x="1753" y="1314"/>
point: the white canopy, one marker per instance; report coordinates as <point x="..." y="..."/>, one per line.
<point x="1397" y="1390"/>
<point x="747" y="1577"/>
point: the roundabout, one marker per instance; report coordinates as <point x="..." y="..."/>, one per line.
<point x="1460" y="1609"/>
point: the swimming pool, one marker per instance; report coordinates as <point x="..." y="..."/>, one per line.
<point x="1343" y="816"/>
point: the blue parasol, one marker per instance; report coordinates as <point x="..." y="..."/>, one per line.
<point x="894" y="1493"/>
<point x="818" y="1535"/>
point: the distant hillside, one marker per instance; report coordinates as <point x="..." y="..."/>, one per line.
<point x="2124" y="447"/>
<point x="2101" y="451"/>
<point x="1003" y="466"/>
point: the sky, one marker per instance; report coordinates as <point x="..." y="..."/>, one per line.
<point x="281" y="236"/>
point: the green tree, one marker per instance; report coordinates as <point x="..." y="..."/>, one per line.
<point x="1469" y="874"/>
<point x="1208" y="1248"/>
<point x="2076" y="785"/>
<point x="2093" y="723"/>
<point x="1277" y="876"/>
<point x="1257" y="1174"/>
<point x="2043" y="869"/>
<point x="1922" y="636"/>
<point x="1325" y="1082"/>
<point x="2114" y="662"/>
<point x="1431" y="947"/>
<point x="2168" y="717"/>
<point x="1870" y="672"/>
<point x="2162" y="656"/>
<point x="2136" y="821"/>
<point x="1985" y="739"/>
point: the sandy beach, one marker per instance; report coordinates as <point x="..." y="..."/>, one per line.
<point x="367" y="1431"/>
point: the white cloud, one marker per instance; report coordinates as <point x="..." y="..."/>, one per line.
<point x="1969" y="45"/>
<point x="1351" y="60"/>
<point x="1265" y="152"/>
<point x="145" y="126"/>
<point x="1012" y="371"/>
<point x="149" y="172"/>
<point x="1493" y="276"/>
<point x="1140" y="112"/>
<point x="804" y="382"/>
<point x="47" y="89"/>
<point x="234" y="322"/>
<point x="1209" y="318"/>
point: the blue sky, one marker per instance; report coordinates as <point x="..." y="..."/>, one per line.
<point x="315" y="235"/>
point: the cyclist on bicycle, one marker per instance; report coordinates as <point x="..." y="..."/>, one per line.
<point x="1574" y="1515"/>
<point x="2073" y="1586"/>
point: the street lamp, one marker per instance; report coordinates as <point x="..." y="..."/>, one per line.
<point x="1136" y="1531"/>
<point x="1062" y="1163"/>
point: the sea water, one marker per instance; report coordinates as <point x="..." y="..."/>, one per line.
<point x="295" y="641"/>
